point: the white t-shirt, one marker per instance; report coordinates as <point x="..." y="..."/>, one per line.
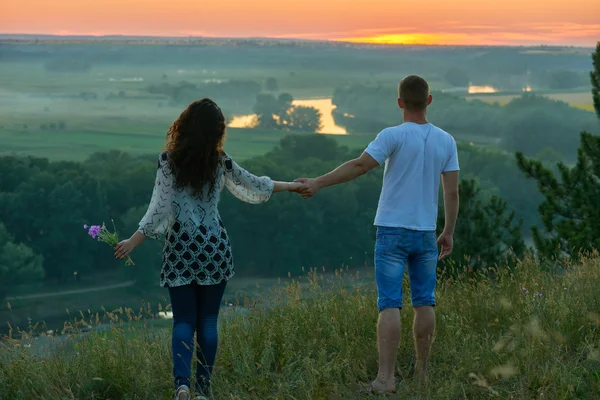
<point x="415" y="156"/>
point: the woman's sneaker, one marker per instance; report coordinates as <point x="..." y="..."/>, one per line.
<point x="183" y="393"/>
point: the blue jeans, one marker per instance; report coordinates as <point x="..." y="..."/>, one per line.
<point x="397" y="248"/>
<point x="195" y="310"/>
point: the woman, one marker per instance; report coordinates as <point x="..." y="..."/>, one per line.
<point x="197" y="259"/>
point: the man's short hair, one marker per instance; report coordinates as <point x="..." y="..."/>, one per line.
<point x="414" y="92"/>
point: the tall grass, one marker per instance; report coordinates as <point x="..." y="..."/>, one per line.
<point x="508" y="334"/>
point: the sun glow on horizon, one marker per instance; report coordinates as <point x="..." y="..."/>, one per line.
<point x="427" y="39"/>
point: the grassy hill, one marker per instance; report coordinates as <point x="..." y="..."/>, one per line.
<point x="521" y="334"/>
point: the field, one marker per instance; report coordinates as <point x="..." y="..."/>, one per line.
<point x="42" y="115"/>
<point x="524" y="334"/>
<point x="79" y="144"/>
<point x="47" y="114"/>
<point x="582" y="100"/>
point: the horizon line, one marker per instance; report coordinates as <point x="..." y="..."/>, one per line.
<point x="288" y="39"/>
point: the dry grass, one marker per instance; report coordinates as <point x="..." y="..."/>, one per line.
<point x="573" y="98"/>
<point x="584" y="106"/>
<point x="522" y="334"/>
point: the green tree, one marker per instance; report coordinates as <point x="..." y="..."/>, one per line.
<point x="266" y="108"/>
<point x="19" y="264"/>
<point x="486" y="231"/>
<point x="531" y="131"/>
<point x="305" y="119"/>
<point x="533" y="122"/>
<point x="47" y="211"/>
<point x="595" y="78"/>
<point x="570" y="211"/>
<point x="559" y="80"/>
<point x="286" y="101"/>
<point x="273" y="112"/>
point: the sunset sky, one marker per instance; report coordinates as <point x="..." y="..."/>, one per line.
<point x="519" y="22"/>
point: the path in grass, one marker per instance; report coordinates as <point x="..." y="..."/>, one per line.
<point x="70" y="292"/>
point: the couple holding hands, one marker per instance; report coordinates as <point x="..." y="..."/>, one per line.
<point x="197" y="256"/>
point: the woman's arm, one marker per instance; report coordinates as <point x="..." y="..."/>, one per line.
<point x="156" y="220"/>
<point x="286" y="186"/>
<point x="248" y="187"/>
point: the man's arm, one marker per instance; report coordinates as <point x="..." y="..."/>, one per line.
<point x="344" y="173"/>
<point x="451" y="205"/>
<point x="451" y="200"/>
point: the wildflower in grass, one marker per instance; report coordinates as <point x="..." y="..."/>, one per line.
<point x="102" y="234"/>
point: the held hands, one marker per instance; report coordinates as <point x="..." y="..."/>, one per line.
<point x="308" y="187"/>
<point x="293" y="187"/>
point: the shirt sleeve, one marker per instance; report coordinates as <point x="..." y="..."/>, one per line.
<point x="382" y="147"/>
<point x="452" y="164"/>
<point x="246" y="186"/>
<point x="155" y="222"/>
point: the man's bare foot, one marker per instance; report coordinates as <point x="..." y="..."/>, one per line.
<point x="383" y="387"/>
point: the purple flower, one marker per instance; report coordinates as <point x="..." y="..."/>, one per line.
<point x="85" y="226"/>
<point x="94" y="231"/>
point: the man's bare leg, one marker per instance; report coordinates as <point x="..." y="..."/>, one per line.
<point x="423" y="328"/>
<point x="388" y="339"/>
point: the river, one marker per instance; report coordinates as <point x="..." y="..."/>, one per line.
<point x="324" y="105"/>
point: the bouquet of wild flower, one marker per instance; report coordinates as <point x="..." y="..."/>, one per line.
<point x="100" y="233"/>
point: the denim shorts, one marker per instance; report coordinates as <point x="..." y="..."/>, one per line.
<point x="397" y="248"/>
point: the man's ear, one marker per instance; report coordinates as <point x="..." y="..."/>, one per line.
<point x="400" y="103"/>
<point x="429" y="99"/>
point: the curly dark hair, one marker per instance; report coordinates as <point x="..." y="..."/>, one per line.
<point x="195" y="145"/>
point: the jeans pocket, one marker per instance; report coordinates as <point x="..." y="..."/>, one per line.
<point x="430" y="242"/>
<point x="384" y="243"/>
<point x="389" y="243"/>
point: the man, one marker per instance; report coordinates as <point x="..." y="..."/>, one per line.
<point x="416" y="154"/>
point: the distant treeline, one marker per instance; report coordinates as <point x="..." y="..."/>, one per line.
<point x="510" y="68"/>
<point x="235" y="93"/>
<point x="67" y="65"/>
<point x="44" y="205"/>
<point x="531" y="124"/>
